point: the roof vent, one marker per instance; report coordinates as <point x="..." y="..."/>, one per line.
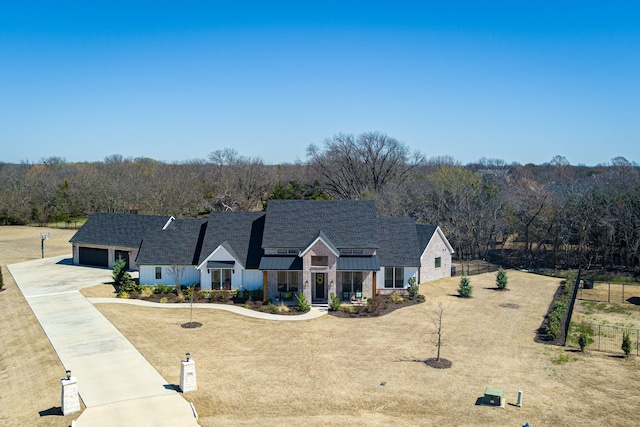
<point x="168" y="223"/>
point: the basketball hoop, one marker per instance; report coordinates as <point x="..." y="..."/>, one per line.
<point x="43" y="237"/>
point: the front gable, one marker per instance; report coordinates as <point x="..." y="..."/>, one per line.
<point x="222" y="253"/>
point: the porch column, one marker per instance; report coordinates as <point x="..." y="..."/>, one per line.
<point x="265" y="283"/>
<point x="373" y="285"/>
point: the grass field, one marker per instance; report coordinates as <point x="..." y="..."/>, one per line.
<point x="334" y="371"/>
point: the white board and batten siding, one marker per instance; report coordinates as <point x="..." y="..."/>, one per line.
<point x="189" y="275"/>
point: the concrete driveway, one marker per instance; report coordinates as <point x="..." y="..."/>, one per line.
<point x="117" y="385"/>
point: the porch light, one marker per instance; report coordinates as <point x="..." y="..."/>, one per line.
<point x="188" y="356"/>
<point x="68" y="372"/>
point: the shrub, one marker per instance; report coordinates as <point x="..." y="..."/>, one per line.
<point x="465" y="289"/>
<point x="397" y="299"/>
<point x="163" y="300"/>
<point x="256" y="294"/>
<point x="269" y="308"/>
<point x="146" y="291"/>
<point x="163" y="289"/>
<point x="303" y="304"/>
<point x="282" y="308"/>
<point x="626" y="343"/>
<point x="123" y="294"/>
<point x="502" y="279"/>
<point x="334" y="302"/>
<point x="413" y="288"/>
<point x="1" y="279"/>
<point x="583" y="341"/>
<point x="420" y="298"/>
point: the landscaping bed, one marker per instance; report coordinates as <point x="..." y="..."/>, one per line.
<point x="379" y="306"/>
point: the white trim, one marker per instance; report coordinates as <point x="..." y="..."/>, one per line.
<point x="444" y="239"/>
<point x="228" y="257"/>
<point x="324" y="242"/>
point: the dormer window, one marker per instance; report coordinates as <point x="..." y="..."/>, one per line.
<point x="287" y="252"/>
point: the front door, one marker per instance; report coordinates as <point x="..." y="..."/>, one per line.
<point x="319" y="293"/>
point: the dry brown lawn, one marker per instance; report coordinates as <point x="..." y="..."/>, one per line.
<point x="30" y="370"/>
<point x="358" y="372"/>
<point x="334" y="371"/>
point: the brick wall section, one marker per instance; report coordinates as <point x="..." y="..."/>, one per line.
<point x="435" y="248"/>
<point x="308" y="277"/>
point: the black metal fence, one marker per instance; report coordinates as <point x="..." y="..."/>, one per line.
<point x="610" y="292"/>
<point x="472" y="268"/>
<point x="608" y="338"/>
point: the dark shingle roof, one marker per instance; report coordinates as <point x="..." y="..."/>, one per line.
<point x="180" y="243"/>
<point x="296" y="223"/>
<point x="398" y="242"/>
<point x="113" y="229"/>
<point x="425" y="232"/>
<point x="238" y="232"/>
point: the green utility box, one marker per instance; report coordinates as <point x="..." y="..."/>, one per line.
<point x="492" y="397"/>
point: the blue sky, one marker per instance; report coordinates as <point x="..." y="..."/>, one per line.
<point x="519" y="81"/>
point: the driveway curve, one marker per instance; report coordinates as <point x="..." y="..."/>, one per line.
<point x="116" y="383"/>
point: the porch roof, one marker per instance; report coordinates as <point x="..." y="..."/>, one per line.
<point x="358" y="263"/>
<point x="220" y="264"/>
<point x="281" y="263"/>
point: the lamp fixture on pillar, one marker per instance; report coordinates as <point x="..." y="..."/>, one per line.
<point x="188" y="356"/>
<point x="68" y="371"/>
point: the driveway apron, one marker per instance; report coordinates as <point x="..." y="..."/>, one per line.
<point x="117" y="385"/>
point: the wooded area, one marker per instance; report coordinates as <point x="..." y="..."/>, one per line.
<point x="554" y="215"/>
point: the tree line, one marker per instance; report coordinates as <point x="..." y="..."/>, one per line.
<point x="554" y="215"/>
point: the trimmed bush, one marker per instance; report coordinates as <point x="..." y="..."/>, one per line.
<point x="465" y="289"/>
<point x="1" y="279"/>
<point x="626" y="343"/>
<point x="334" y="302"/>
<point x="303" y="304"/>
<point x="396" y="299"/>
<point x="413" y="288"/>
<point x="501" y="279"/>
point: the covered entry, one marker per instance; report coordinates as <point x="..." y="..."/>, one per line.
<point x="320" y="287"/>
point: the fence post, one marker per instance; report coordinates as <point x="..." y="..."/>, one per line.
<point x="622" y="293"/>
<point x="636" y="342"/>
<point x="609" y="297"/>
<point x="598" y="337"/>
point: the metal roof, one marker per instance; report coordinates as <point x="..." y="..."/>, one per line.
<point x="221" y="264"/>
<point x="280" y="263"/>
<point x="358" y="263"/>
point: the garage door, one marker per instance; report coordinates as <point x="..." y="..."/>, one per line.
<point x="93" y="256"/>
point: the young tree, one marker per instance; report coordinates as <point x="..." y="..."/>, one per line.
<point x="122" y="280"/>
<point x="437" y="322"/>
<point x="501" y="279"/>
<point x="465" y="289"/>
<point x="626" y="343"/>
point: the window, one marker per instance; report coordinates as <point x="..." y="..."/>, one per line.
<point x="287" y="281"/>
<point x="351" y="282"/>
<point x="287" y="251"/>
<point x="221" y="278"/>
<point x="158" y="273"/>
<point x="351" y="252"/>
<point x="394" y="277"/>
<point x="320" y="261"/>
<point x="438" y="262"/>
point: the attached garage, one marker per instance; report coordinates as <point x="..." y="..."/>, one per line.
<point x="93" y="256"/>
<point x="105" y="237"/>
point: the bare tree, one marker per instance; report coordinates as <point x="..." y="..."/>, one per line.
<point x="437" y="322"/>
<point x="352" y="166"/>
